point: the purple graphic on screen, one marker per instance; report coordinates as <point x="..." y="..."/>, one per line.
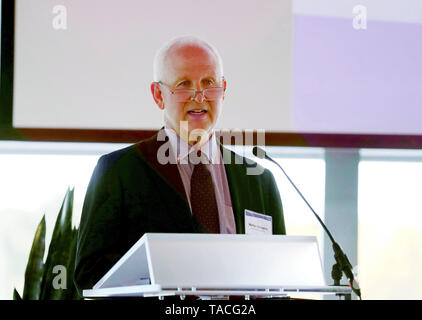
<point x="357" y="81"/>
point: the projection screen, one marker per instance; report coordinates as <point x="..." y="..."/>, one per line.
<point x="96" y="72"/>
<point x="294" y="66"/>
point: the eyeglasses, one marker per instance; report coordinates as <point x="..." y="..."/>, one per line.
<point x="183" y="95"/>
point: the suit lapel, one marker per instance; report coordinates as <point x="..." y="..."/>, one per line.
<point x="169" y="172"/>
<point x="234" y="167"/>
<point x="237" y="183"/>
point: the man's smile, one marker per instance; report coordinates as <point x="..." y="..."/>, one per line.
<point x="197" y="113"/>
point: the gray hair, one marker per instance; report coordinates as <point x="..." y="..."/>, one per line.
<point x="161" y="54"/>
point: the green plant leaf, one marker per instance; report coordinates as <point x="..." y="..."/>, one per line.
<point x="70" y="267"/>
<point x="35" y="267"/>
<point x="39" y="276"/>
<point x="75" y="293"/>
<point x="16" y="295"/>
<point x="66" y="256"/>
<point x="64" y="218"/>
<point x="59" y="249"/>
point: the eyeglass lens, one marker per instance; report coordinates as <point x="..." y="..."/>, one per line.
<point x="210" y="94"/>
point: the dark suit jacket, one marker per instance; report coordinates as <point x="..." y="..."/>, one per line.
<point x="131" y="193"/>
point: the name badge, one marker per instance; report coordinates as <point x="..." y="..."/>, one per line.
<point x="257" y="223"/>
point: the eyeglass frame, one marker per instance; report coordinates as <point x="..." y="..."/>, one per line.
<point x="195" y="92"/>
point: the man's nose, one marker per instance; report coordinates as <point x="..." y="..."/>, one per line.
<point x="199" y="96"/>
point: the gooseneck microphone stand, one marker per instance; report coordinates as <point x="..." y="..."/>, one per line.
<point x="342" y="262"/>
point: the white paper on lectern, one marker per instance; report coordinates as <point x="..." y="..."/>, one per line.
<point x="219" y="261"/>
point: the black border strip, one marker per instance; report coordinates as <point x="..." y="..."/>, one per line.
<point x="7" y="53"/>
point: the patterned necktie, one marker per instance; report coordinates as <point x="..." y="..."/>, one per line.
<point x="202" y="197"/>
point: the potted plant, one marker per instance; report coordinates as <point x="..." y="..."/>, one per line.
<point x="52" y="279"/>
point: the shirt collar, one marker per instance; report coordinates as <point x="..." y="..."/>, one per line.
<point x="182" y="149"/>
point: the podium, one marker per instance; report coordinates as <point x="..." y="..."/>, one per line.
<point x="217" y="265"/>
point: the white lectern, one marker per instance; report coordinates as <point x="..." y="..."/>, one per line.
<point x="215" y="265"/>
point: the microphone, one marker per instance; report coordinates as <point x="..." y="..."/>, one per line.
<point x="342" y="262"/>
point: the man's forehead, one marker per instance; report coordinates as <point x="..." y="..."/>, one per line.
<point x="188" y="61"/>
<point x="190" y="50"/>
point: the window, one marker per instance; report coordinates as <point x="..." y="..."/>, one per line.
<point x="34" y="180"/>
<point x="390" y="225"/>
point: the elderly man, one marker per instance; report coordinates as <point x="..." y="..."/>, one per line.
<point x="176" y="181"/>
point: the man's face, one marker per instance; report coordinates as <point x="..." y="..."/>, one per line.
<point x="191" y="67"/>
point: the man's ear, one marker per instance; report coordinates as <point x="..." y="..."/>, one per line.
<point x="157" y="95"/>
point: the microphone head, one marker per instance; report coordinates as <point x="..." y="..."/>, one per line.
<point x="258" y="152"/>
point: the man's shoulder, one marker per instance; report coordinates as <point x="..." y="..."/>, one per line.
<point x="126" y="156"/>
<point x="117" y="157"/>
<point x="117" y="154"/>
<point x="141" y="153"/>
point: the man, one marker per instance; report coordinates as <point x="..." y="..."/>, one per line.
<point x="176" y="181"/>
